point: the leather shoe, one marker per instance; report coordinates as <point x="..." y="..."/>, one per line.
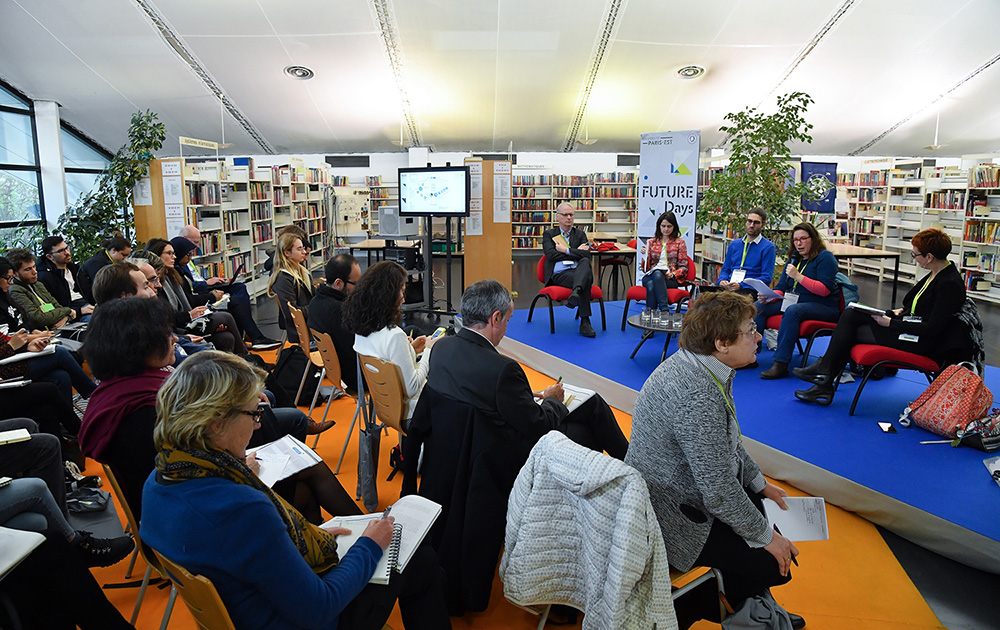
<point x="574" y="299"/>
<point x="810" y="372"/>
<point x="318" y="427"/>
<point x="797" y="621"/>
<point x="821" y="394"/>
<point x="778" y="369"/>
<point x="586" y="329"/>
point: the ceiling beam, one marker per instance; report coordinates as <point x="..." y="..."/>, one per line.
<point x="385" y="22"/>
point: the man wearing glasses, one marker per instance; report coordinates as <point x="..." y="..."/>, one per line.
<point x="749" y="257"/>
<point x="326" y="308"/>
<point x="58" y="272"/>
<point x="567" y="264"/>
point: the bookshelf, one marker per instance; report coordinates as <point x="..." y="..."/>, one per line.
<point x="382" y="194"/>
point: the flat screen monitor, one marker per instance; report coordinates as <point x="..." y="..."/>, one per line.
<point x="434" y="191"/>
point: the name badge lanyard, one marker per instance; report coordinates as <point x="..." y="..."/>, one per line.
<point x="729" y="402"/>
<point x="796" y="285"/>
<point x="746" y="246"/>
<point x="913" y="306"/>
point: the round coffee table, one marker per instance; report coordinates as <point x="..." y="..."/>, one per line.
<point x="669" y="323"/>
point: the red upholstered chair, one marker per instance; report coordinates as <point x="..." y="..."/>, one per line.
<point x="872" y="357"/>
<point x="674" y="296"/>
<point x="621" y="266"/>
<point x="811" y="329"/>
<point x="561" y="294"/>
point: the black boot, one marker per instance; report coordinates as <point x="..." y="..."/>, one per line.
<point x="812" y="372"/>
<point x="821" y="393"/>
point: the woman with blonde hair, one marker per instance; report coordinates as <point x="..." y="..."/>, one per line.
<point x="290" y="282"/>
<point x="206" y="509"/>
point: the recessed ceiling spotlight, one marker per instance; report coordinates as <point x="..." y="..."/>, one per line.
<point x="690" y="72"/>
<point x="301" y="73"/>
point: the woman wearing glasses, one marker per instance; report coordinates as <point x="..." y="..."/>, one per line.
<point x="207" y="511"/>
<point x="924" y="325"/>
<point x="705" y="488"/>
<point x="810" y="292"/>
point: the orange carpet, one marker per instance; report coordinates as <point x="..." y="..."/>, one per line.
<point x="851" y="581"/>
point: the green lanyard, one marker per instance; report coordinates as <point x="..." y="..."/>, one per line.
<point x="913" y="307"/>
<point x="805" y="263"/>
<point x="746" y="246"/>
<point x="729" y="402"/>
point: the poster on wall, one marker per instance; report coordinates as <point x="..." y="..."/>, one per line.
<point x="668" y="182"/>
<point x="812" y="171"/>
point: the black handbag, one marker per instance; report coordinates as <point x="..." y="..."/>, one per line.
<point x="287" y="374"/>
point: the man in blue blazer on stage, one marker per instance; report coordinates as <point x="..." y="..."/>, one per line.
<point x="749" y="257"/>
<point x="567" y="264"/>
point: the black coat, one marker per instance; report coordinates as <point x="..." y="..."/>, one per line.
<point x="55" y="280"/>
<point x="326" y="315"/>
<point x="88" y="271"/>
<point x="577" y="237"/>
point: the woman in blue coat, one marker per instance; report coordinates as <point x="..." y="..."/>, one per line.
<point x="810" y="291"/>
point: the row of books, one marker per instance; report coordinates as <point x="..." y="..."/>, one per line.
<point x="527" y="230"/>
<point x="231" y="221"/>
<point x="339" y="180"/>
<point x="234" y="262"/>
<point x="705" y="175"/>
<point x="530" y="217"/>
<point x="202" y="193"/>
<point x="525" y="242"/>
<point x="982" y="262"/>
<point x="946" y="200"/>
<point x="211" y="269"/>
<point x="211" y="243"/>
<point x="985" y="176"/>
<point x="983" y="207"/>
<point x="281" y="196"/>
<point x="847" y="179"/>
<point x="613" y="177"/>
<point x="615" y="192"/>
<point x="869" y="226"/>
<point x="575" y="192"/>
<point x="976" y="281"/>
<point x="870" y="195"/>
<point x="531" y="204"/>
<point x="872" y="178"/>
<point x="982" y="232"/>
<point x="260" y="212"/>
<point x="258" y="191"/>
<point x="262" y="233"/>
<point x="380" y="193"/>
<point x="373" y="180"/>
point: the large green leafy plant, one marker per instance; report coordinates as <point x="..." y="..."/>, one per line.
<point x="105" y="210"/>
<point x="759" y="170"/>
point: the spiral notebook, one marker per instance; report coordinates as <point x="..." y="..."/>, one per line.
<point x="357" y="524"/>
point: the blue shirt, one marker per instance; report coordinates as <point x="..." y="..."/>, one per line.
<point x="232" y="534"/>
<point x="759" y="262"/>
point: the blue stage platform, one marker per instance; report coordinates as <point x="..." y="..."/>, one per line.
<point x="937" y="496"/>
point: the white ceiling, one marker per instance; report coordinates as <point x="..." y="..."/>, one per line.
<point x="480" y="74"/>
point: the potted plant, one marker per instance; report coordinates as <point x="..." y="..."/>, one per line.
<point x="105" y="210"/>
<point x="759" y="173"/>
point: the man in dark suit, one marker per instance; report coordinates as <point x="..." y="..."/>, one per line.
<point x="326" y="311"/>
<point x="567" y="264"/>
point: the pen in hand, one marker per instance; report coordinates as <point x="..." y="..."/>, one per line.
<point x="794" y="561"/>
<point x="385" y="514"/>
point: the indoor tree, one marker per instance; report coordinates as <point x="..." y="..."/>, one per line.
<point x="104" y="211"/>
<point x="759" y="172"/>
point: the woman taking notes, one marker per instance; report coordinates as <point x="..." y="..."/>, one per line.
<point x="290" y="281"/>
<point x="665" y="261"/>
<point x="925" y="324"/>
<point x="810" y="291"/>
<point x="205" y="509"/>
<point x="705" y="488"/>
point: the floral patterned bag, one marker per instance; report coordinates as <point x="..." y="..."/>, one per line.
<point x="954" y="399"/>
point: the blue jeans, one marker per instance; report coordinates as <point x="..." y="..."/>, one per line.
<point x="793" y="316"/>
<point x="27" y="504"/>
<point x="62" y="369"/>
<point x="656" y="284"/>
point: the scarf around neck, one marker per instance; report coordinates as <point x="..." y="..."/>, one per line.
<point x="113" y="400"/>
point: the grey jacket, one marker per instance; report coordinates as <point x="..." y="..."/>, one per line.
<point x="686" y="443"/>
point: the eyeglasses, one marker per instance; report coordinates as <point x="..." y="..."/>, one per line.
<point x="154" y="281"/>
<point x="565" y="214"/>
<point x="60" y="250"/>
<point x="801" y="239"/>
<point x="9" y="278"/>
<point x="353" y="284"/>
<point x="752" y="333"/>
<point x="916" y="255"/>
<point x="255" y="414"/>
<point x="754" y="222"/>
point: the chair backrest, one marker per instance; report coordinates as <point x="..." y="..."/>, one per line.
<point x="130" y="517"/>
<point x="281" y="319"/>
<point x="385" y="386"/>
<point x="540" y="269"/>
<point x="632" y="243"/>
<point x="200" y="596"/>
<point x="692" y="271"/>
<point x="328" y="352"/>
<point x="301" y="328"/>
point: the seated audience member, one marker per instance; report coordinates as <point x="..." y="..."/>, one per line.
<point x="373" y="312"/>
<point x="58" y="272"/>
<point x="40" y="309"/>
<point x="326" y="312"/>
<point x="11" y="314"/>
<point x="925" y="325"/>
<point x="567" y="264"/>
<point x="53" y="573"/>
<point x="150" y="265"/>
<point x="290" y="282"/>
<point x="749" y="257"/>
<point x="705" y="488"/>
<point x="239" y="303"/>
<point x="506" y="422"/>
<point x="664" y="261"/>
<point x="27" y="504"/>
<point x="112" y="250"/>
<point x="129" y="347"/>
<point x="809" y="285"/>
<point x="121" y="280"/>
<point x="220" y="328"/>
<point x="207" y="510"/>
<point x="39" y="457"/>
<point x="288" y="229"/>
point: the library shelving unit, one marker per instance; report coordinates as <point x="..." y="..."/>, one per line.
<point x="261" y="227"/>
<point x="383" y="194"/>
<point x="603" y="202"/>
<point x="980" y="255"/>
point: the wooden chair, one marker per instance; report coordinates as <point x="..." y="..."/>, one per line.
<point x="561" y="294"/>
<point x="152" y="562"/>
<point x="331" y="369"/>
<point x="386" y="391"/>
<point x="305" y="342"/>
<point x="200" y="595"/>
<point x="281" y="324"/>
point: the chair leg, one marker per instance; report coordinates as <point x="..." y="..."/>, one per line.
<point x="170" y="607"/>
<point x="142" y="592"/>
<point x="323" y="419"/>
<point x="302" y="383"/>
<point x="544" y="617"/>
<point x="319" y="386"/>
<point x="531" y="310"/>
<point x="131" y="561"/>
<point x="552" y="317"/>
<point x="625" y="314"/>
<point x="604" y="321"/>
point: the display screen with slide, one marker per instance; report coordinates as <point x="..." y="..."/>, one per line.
<point x="434" y="191"/>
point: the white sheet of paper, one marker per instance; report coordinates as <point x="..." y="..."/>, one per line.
<point x="475" y="180"/>
<point x="805" y="518"/>
<point x="272" y="466"/>
<point x="170" y="168"/>
<point x="501" y="186"/>
<point x="788" y="299"/>
<point x="142" y="194"/>
<point x="172" y="187"/>
<point x="474" y="224"/>
<point x="762" y="289"/>
<point x="501" y="210"/>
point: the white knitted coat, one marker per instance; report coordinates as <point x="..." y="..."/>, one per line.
<point x="581" y="531"/>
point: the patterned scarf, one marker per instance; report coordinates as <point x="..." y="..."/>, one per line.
<point x="317" y="546"/>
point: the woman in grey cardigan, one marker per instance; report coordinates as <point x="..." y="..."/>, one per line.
<point x="705" y="488"/>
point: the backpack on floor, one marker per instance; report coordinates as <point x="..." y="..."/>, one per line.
<point x="287" y="374"/>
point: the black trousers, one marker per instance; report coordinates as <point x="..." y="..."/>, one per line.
<point x="41" y="457"/>
<point x="43" y="403"/>
<point x="593" y="425"/>
<point x="419" y="589"/>
<point x="855" y="327"/>
<point x="581" y="277"/>
<point x="746" y="572"/>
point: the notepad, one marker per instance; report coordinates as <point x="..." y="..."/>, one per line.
<point x="575" y="396"/>
<point x="14" y="436"/>
<point x="283" y="458"/>
<point x="805" y="518"/>
<point x="864" y="308"/>
<point x="24" y="356"/>
<point x="414" y="516"/>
